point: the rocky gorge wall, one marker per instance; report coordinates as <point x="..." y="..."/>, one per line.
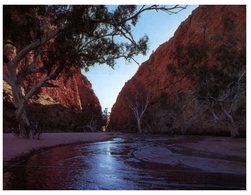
<point x="208" y="29"/>
<point x="66" y="104"/>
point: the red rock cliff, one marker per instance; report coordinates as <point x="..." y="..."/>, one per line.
<point x="68" y="105"/>
<point x="210" y="26"/>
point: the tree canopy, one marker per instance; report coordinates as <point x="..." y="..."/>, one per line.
<point x="50" y="38"/>
<point x="87" y="34"/>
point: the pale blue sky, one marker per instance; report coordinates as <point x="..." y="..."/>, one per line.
<point x="160" y="27"/>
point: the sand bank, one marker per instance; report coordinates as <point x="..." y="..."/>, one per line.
<point x="14" y="146"/>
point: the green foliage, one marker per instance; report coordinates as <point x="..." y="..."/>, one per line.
<point x="54" y="38"/>
<point x="105" y="117"/>
<point x="187" y="60"/>
<point x="219" y="87"/>
<point x="224" y="76"/>
<point x="88" y="33"/>
<point x="21" y="26"/>
<point x="192" y="62"/>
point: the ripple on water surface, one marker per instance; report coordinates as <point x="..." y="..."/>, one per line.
<point x="123" y="163"/>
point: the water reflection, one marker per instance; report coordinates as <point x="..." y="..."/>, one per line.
<point x="105" y="168"/>
<point x="111" y="165"/>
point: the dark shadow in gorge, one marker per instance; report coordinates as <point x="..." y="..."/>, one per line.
<point x="52" y="118"/>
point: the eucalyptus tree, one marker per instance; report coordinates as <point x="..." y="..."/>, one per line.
<point x="138" y="107"/>
<point x="220" y="88"/>
<point x="50" y="39"/>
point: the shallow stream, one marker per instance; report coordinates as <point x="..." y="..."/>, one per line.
<point x="116" y="165"/>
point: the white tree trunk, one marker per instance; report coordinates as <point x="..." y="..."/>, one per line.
<point x="139" y="125"/>
<point x="138" y="109"/>
<point x="20" y="113"/>
<point x="233" y="128"/>
<point x="20" y="102"/>
<point x="25" y="125"/>
<point x="23" y="121"/>
<point x="15" y="80"/>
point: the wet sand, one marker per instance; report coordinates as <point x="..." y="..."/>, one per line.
<point x="14" y="146"/>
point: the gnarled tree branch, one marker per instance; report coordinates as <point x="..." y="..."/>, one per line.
<point x="31" y="47"/>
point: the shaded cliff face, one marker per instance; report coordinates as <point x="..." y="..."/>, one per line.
<point x="208" y="29"/>
<point x="66" y="104"/>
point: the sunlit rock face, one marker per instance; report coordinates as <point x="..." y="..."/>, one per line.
<point x="171" y="102"/>
<point x="71" y="90"/>
<point x="66" y="104"/>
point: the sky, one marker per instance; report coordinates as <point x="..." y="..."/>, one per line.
<point x="160" y="27"/>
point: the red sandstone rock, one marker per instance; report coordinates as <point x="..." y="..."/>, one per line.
<point x="72" y="91"/>
<point x="208" y="25"/>
<point x="67" y="106"/>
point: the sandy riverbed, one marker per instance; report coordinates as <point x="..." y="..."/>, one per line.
<point x="133" y="161"/>
<point x="210" y="154"/>
<point x="14" y="146"/>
